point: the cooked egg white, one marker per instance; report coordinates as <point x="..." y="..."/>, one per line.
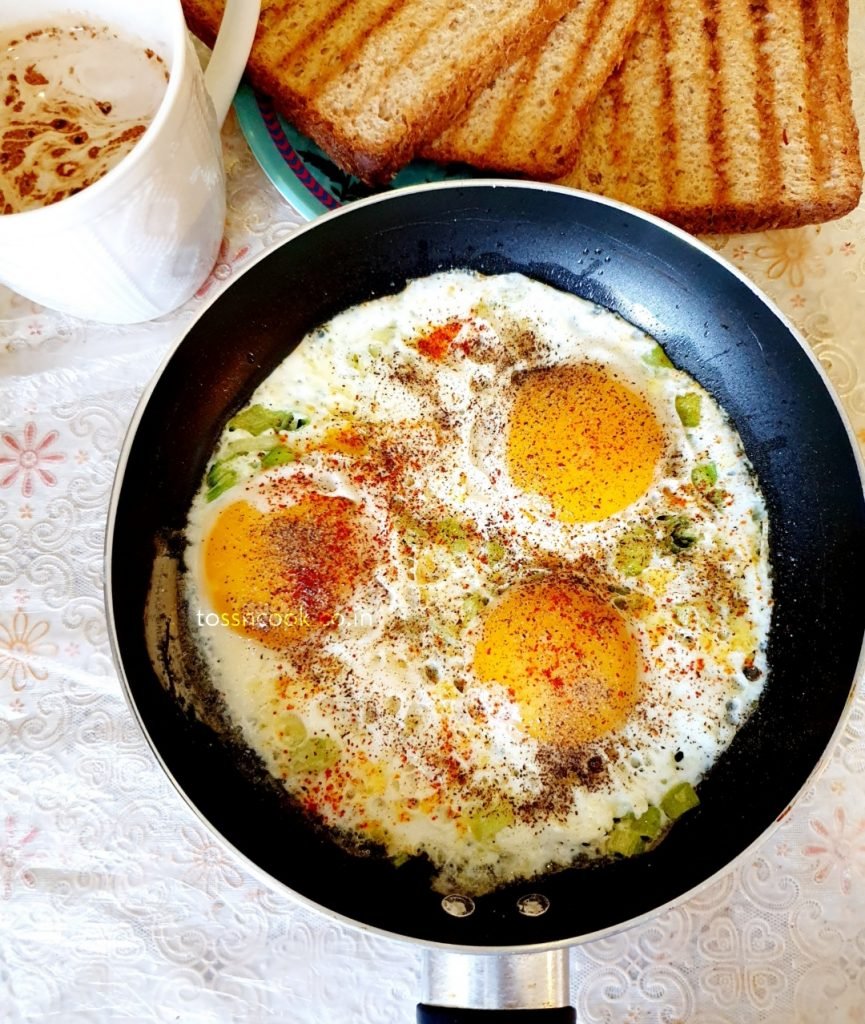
<point x="479" y="573"/>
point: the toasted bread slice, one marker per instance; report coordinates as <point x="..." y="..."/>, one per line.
<point x="370" y="80"/>
<point x="729" y="115"/>
<point x="529" y="120"/>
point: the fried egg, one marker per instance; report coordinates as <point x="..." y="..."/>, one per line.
<point x="482" y="577"/>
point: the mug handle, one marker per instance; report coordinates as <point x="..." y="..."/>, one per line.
<point x="230" y="52"/>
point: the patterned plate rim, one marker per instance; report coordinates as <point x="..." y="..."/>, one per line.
<point x="266" y="137"/>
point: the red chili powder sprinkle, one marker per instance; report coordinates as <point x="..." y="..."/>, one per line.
<point x="438" y="343"/>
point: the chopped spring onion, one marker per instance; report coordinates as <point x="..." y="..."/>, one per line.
<point x="704" y="475"/>
<point x="495" y="551"/>
<point x="688" y="408"/>
<point x="453" y="534"/>
<point x="634" y="551"/>
<point x="277" y="456"/>
<point x="648" y="825"/>
<point x="220" y="477"/>
<point x="658" y="357"/>
<point x="624" y="839"/>
<point x="315" y="754"/>
<point x="679" y="799"/>
<point x="487" y="825"/>
<point x="256" y="419"/>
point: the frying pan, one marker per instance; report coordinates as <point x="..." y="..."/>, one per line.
<point x="714" y="325"/>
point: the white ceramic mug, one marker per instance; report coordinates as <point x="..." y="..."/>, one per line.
<point x="138" y="242"/>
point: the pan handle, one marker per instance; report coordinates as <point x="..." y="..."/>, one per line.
<point x="454" y="1015"/>
<point x="495" y="988"/>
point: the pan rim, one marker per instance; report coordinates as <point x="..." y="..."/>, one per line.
<point x="117" y="487"/>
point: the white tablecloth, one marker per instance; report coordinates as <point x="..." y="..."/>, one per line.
<point x="117" y="905"/>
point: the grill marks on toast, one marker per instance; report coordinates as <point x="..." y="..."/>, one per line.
<point x="355" y="22"/>
<point x="405" y="29"/>
<point x="768" y="128"/>
<point x="575" y="34"/>
<point x="753" y="128"/>
<point x="689" y="58"/>
<point x="743" y="104"/>
<point x="485" y="130"/>
<point x="826" y="137"/>
<point x="503" y="122"/>
<point x="369" y="80"/>
<point x="407" y="44"/>
<point x="630" y="142"/>
<point x="664" y="109"/>
<point x="650" y="166"/>
<point x="601" y="17"/>
<point x="395" y="94"/>
<point x="715" y="126"/>
<point x="530" y="118"/>
<point x="298" y="35"/>
<point x="271" y="12"/>
<point x="283" y="56"/>
<point x="785" y="38"/>
<point x="620" y="151"/>
<point x="811" y="29"/>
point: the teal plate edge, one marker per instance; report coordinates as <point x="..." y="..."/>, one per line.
<point x="303" y="174"/>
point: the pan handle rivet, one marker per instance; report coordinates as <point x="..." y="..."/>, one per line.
<point x="533" y="905"/>
<point x="458" y="906"/>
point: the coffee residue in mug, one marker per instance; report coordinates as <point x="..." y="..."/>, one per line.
<point x="75" y="101"/>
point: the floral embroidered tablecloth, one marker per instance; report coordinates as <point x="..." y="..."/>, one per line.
<point x="117" y="905"/>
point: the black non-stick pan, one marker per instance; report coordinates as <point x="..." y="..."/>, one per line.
<point x="715" y="326"/>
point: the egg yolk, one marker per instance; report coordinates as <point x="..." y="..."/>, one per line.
<point x="279" y="575"/>
<point x="564" y="656"/>
<point x="583" y="440"/>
